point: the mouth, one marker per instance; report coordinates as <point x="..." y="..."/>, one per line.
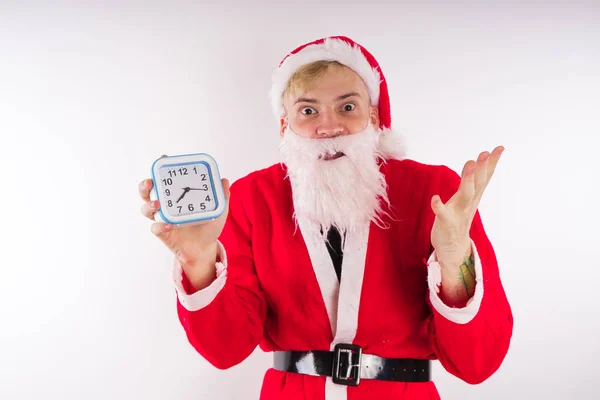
<point x="329" y="157"/>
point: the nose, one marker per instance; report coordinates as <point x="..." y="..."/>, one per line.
<point x="330" y="126"/>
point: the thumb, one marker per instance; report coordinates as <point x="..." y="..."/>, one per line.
<point x="227" y="192"/>
<point x="225" y="183"/>
<point x="437" y="205"/>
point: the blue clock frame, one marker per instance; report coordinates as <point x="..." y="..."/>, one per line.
<point x="212" y="183"/>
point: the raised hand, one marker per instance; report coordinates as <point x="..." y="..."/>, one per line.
<point x="450" y="231"/>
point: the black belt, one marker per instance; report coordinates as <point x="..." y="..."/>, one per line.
<point x="347" y="365"/>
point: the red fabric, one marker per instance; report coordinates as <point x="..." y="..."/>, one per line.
<point x="272" y="299"/>
<point x="187" y="285"/>
<point x="385" y="116"/>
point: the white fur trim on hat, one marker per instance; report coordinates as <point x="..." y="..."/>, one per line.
<point x="330" y="50"/>
<point x="392" y="144"/>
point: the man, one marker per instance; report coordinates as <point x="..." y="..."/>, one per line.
<point x="353" y="264"/>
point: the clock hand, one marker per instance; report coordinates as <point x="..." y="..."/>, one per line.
<point x="185" y="190"/>
<point x="198" y="189"/>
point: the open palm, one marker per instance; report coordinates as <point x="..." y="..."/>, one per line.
<point x="450" y="231"/>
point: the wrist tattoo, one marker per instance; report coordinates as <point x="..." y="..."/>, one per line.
<point x="467" y="274"/>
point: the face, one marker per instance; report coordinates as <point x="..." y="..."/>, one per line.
<point x="330" y="147"/>
<point x="335" y="104"/>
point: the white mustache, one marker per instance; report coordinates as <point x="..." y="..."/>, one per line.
<point x="330" y="189"/>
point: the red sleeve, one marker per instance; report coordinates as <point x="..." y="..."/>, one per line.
<point x="474" y="350"/>
<point x="228" y="329"/>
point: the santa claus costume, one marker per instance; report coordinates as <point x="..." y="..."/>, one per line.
<point x="371" y="332"/>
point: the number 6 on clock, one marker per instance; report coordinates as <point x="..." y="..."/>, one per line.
<point x="189" y="189"/>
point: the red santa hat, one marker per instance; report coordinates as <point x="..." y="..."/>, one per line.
<point x="354" y="56"/>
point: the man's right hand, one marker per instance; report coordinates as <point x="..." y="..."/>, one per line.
<point x="195" y="246"/>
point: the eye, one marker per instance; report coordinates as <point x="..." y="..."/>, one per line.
<point x="307" y="110"/>
<point x="349" y="107"/>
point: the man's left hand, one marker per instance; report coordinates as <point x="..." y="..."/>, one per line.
<point x="450" y="231"/>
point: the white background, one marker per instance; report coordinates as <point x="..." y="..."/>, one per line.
<point x="91" y="93"/>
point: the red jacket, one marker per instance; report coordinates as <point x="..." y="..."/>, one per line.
<point x="276" y="287"/>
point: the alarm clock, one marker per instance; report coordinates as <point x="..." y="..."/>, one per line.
<point x="188" y="188"/>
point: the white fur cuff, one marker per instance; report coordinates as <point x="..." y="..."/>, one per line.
<point x="457" y="315"/>
<point x="201" y="298"/>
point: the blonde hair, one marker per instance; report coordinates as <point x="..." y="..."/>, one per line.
<point x="305" y="75"/>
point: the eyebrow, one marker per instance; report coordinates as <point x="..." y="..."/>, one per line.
<point x="342" y="97"/>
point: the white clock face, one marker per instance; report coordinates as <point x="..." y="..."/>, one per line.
<point x="186" y="189"/>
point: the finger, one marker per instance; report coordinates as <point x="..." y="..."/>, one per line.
<point x="466" y="168"/>
<point x="438" y="207"/>
<point x="149" y="208"/>
<point x="226" y="188"/>
<point x="493" y="161"/>
<point x="480" y="173"/>
<point x="466" y="188"/>
<point x="144" y="188"/>
<point x="227" y="191"/>
<point x="161" y="230"/>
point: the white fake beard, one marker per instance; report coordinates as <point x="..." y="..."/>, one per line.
<point x="345" y="192"/>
